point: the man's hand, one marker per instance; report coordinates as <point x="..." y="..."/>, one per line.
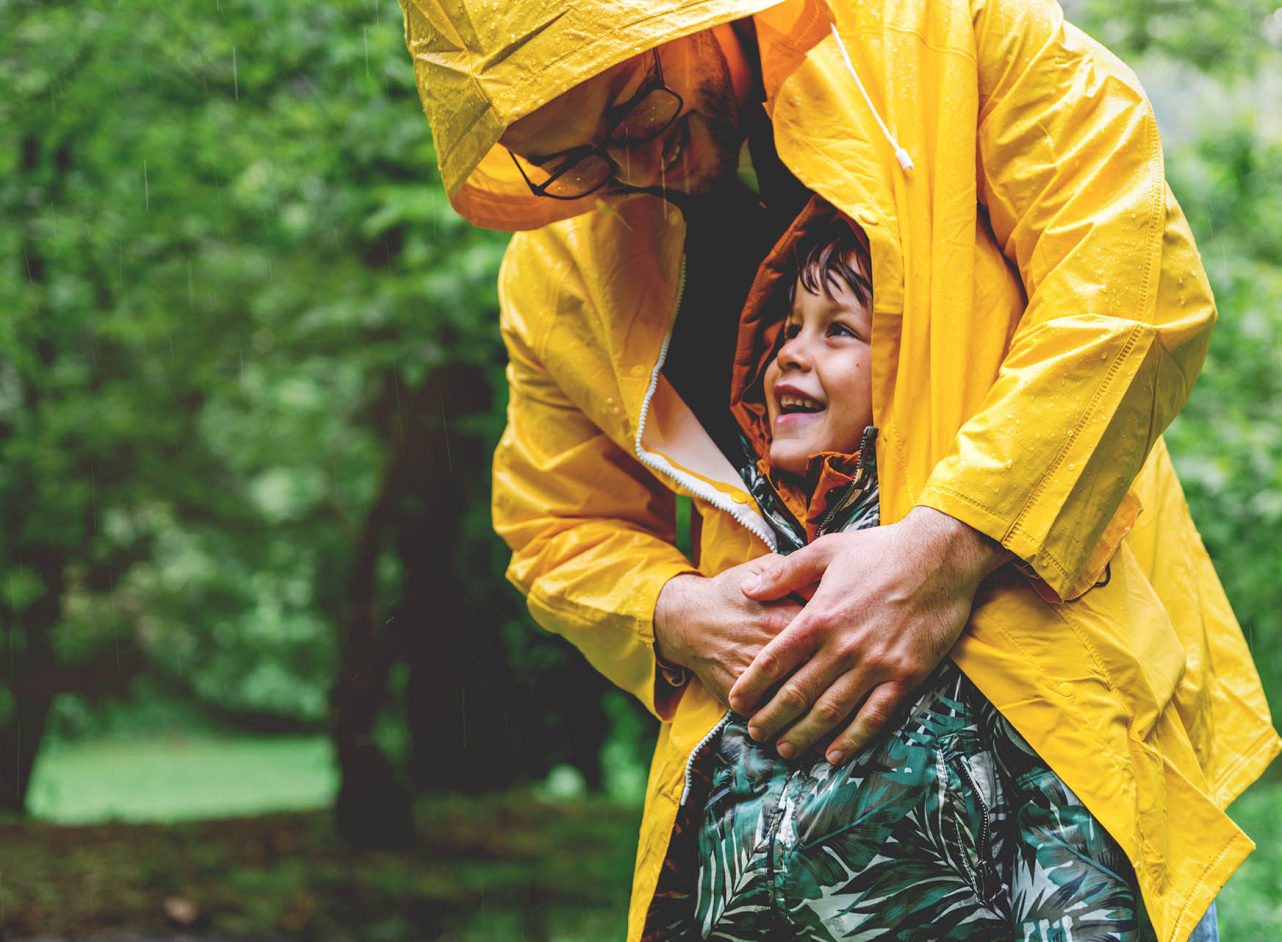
<point x="711" y="628"/>
<point x="890" y="604"/>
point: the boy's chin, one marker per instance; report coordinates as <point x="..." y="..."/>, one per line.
<point x="790" y="462"/>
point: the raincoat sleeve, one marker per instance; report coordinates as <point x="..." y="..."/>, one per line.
<point x="591" y="530"/>
<point x="1119" y="309"/>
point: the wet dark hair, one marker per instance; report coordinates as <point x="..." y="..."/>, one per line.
<point x="829" y="254"/>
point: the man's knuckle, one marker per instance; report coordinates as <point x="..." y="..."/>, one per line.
<point x="876" y="665"/>
<point x="847" y="650"/>
<point x="793" y="698"/>
<point x="816" y="628"/>
<point x="829" y="712"/>
<point x="911" y="679"/>
<point x="904" y="673"/>
<point x="900" y="666"/>
<point x="875" y="717"/>
<point x="778" y="619"/>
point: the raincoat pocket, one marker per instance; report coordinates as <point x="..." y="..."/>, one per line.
<point x="1140" y="656"/>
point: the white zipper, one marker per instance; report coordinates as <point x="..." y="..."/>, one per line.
<point x="697" y="487"/>
<point x="656" y="462"/>
<point x="694" y="754"/>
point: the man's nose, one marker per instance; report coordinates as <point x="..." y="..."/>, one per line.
<point x="640" y="163"/>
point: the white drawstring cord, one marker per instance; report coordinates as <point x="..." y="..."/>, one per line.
<point x="900" y="154"/>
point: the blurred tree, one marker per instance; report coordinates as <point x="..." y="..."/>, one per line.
<point x="1226" y="38"/>
<point x="246" y="391"/>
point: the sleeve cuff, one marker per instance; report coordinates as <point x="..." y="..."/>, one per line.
<point x="1048" y="578"/>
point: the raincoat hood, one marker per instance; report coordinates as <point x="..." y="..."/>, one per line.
<point x="480" y="65"/>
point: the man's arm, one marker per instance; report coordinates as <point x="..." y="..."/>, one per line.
<point x="1119" y="309"/>
<point x="1115" y="331"/>
<point x="592" y="531"/>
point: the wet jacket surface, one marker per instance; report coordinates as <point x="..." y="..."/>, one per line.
<point x="1040" y="315"/>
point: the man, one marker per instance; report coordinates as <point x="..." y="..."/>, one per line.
<point x="1040" y="316"/>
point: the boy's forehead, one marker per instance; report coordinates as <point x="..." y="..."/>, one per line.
<point x="576" y="116"/>
<point x="838" y="299"/>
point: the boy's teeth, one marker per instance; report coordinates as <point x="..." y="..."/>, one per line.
<point x="789" y="401"/>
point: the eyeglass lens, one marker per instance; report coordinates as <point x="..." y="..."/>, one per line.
<point x="647" y="120"/>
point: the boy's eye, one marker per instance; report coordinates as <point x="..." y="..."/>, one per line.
<point x="838" y="329"/>
<point x="791" y="330"/>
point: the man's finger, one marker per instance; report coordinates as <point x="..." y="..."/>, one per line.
<point x="833" y="707"/>
<point x="775" y="660"/>
<point x="789" y="574"/>
<point x="878" y="710"/>
<point x="794" y="698"/>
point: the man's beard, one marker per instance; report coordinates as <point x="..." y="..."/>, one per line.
<point x="721" y="114"/>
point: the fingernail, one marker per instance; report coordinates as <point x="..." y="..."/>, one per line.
<point x="786" y="750"/>
<point x="756" y="733"/>
<point x="737" y="704"/>
<point x="834" y="757"/>
<point x="750" y="584"/>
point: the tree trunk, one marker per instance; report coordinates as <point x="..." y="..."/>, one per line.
<point x="459" y="690"/>
<point x="473" y="725"/>
<point x="23" y="730"/>
<point x="373" y="807"/>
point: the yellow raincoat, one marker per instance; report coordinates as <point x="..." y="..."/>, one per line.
<point x="1040" y="315"/>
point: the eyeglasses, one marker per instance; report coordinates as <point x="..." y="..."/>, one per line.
<point x="584" y="170"/>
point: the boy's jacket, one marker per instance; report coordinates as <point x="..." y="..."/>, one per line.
<point x="1040" y="314"/>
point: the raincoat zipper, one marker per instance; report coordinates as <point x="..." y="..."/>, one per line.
<point x="690" y="483"/>
<point x="694" y="754"/>
<point x="866" y="442"/>
<point x="836" y="506"/>
<point x="699" y="489"/>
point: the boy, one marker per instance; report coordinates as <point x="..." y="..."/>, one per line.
<point x="946" y="827"/>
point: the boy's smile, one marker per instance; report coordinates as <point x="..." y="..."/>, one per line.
<point x="818" y="387"/>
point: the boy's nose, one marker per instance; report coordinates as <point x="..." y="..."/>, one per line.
<point x="640" y="163"/>
<point x="794" y="354"/>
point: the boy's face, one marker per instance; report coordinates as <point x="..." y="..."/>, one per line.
<point x="819" y="388"/>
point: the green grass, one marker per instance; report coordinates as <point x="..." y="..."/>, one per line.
<point x="501" y="867"/>
<point x="179" y="778"/>
<point x="498" y="868"/>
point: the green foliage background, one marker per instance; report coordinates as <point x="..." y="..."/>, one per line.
<point x="228" y="280"/>
<point x="227" y="265"/>
<point x="228" y="261"/>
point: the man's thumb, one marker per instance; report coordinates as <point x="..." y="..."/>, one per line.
<point x="789" y="574"/>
